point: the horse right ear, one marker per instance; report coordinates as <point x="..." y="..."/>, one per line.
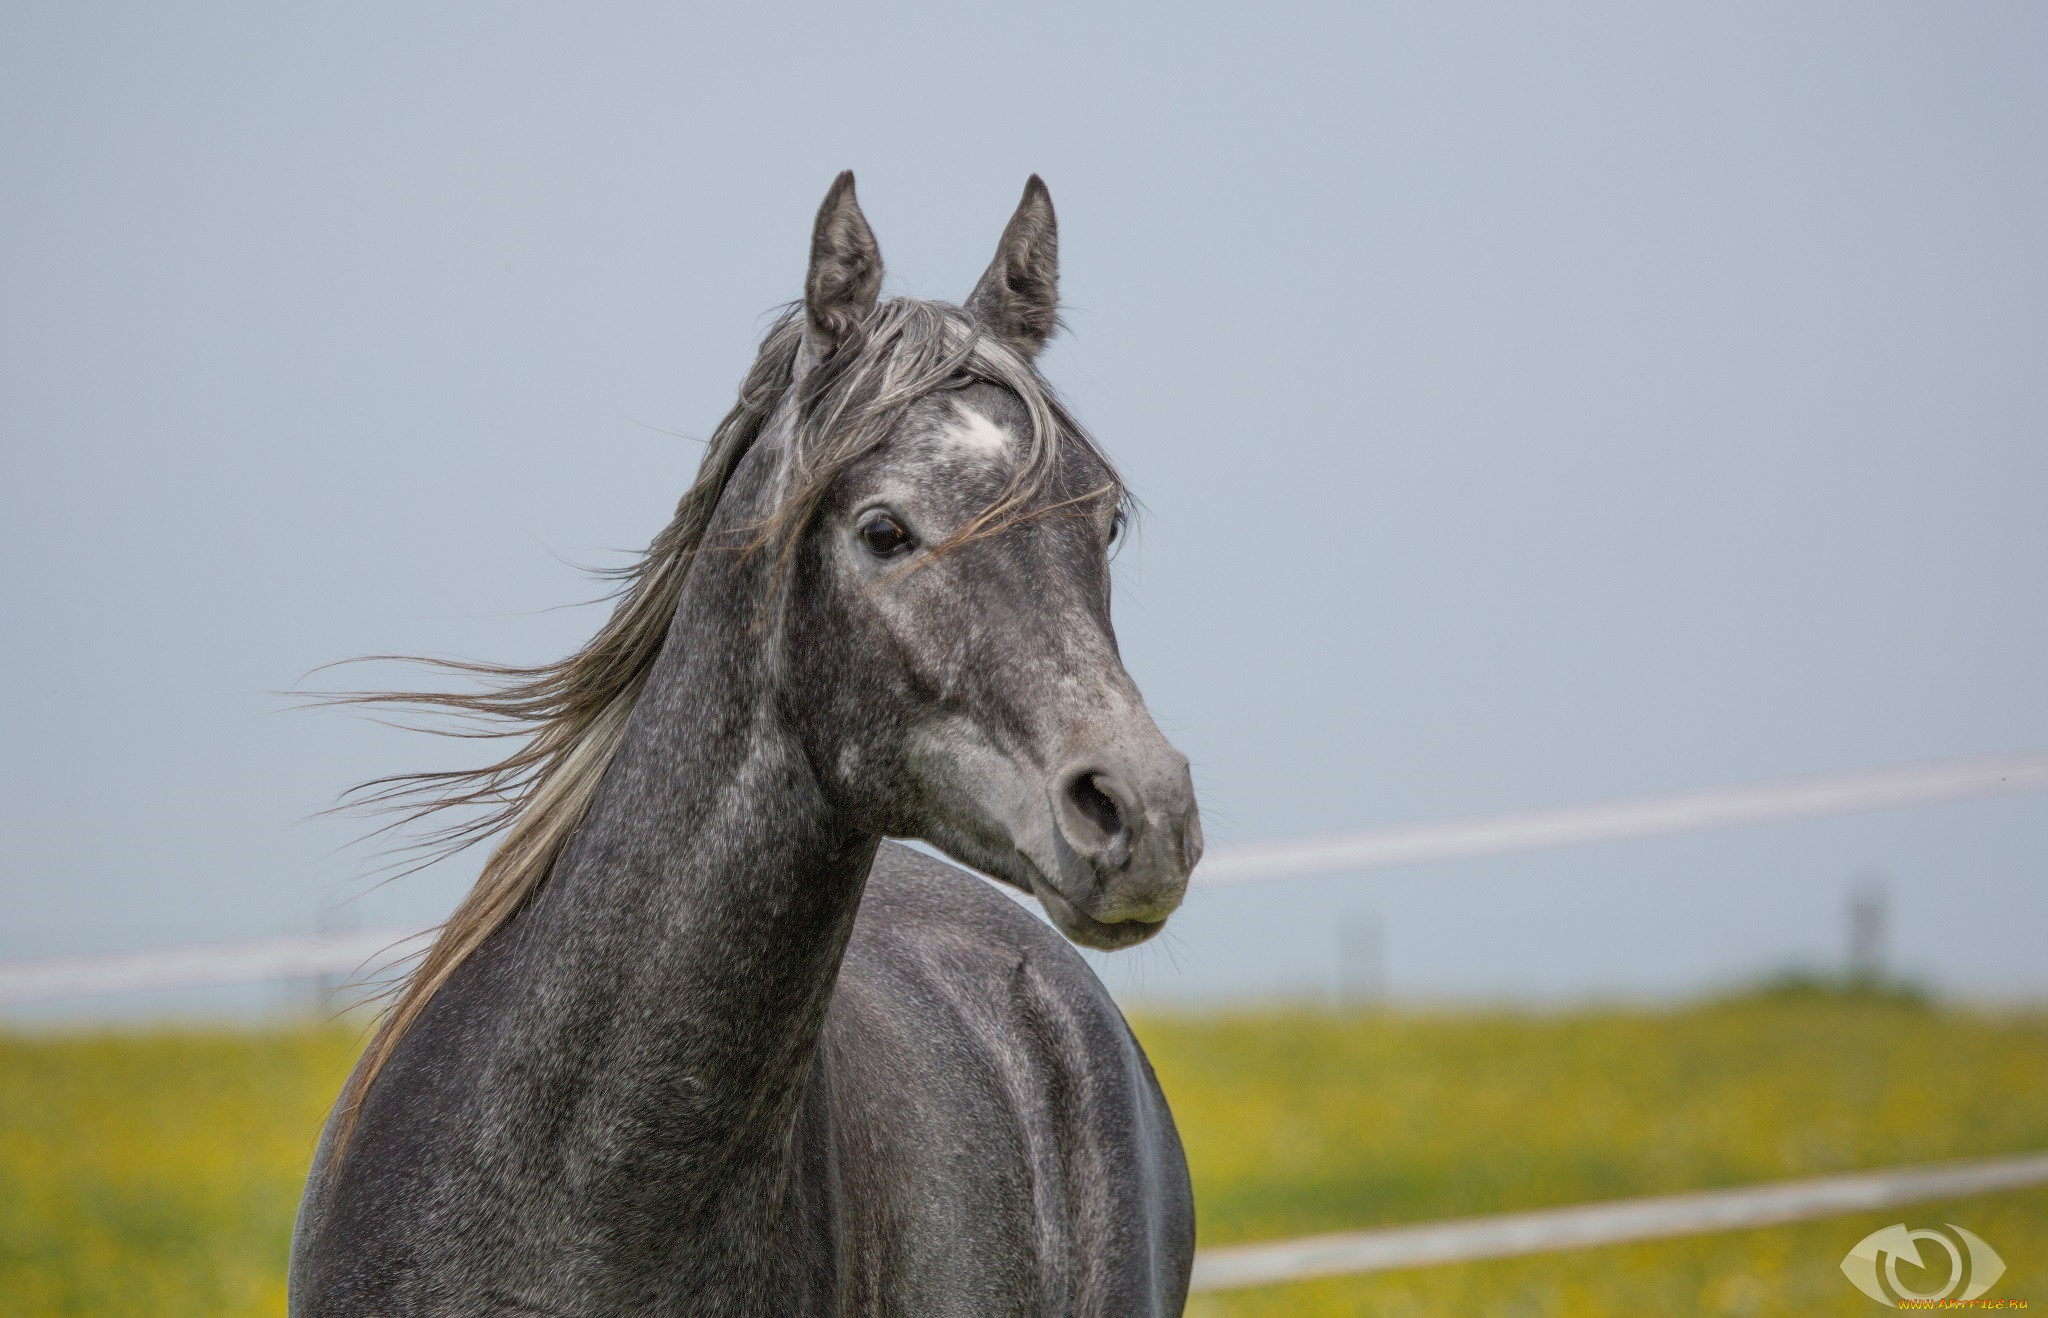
<point x="845" y="280"/>
<point x="1018" y="298"/>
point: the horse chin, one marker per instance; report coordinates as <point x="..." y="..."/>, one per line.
<point x="994" y="856"/>
<point x="1086" y="930"/>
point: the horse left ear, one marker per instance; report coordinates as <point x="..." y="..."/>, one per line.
<point x="1018" y="297"/>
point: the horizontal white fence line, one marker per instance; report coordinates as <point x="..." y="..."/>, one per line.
<point x="204" y="965"/>
<point x="1613" y="1223"/>
<point x="1781" y="799"/>
<point x="310" y="956"/>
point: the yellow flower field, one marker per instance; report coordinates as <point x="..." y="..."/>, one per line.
<point x="1300" y="1123"/>
<point x="156" y="1173"/>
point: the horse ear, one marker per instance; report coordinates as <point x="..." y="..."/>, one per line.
<point x="845" y="279"/>
<point x="1018" y="297"/>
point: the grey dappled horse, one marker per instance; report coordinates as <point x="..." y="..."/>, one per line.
<point x="699" y="1041"/>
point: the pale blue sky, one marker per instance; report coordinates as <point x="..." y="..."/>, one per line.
<point x="1532" y="404"/>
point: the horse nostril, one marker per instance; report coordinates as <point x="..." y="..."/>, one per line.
<point x="1098" y="808"/>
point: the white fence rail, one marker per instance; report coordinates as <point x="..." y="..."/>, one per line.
<point x="1811" y="797"/>
<point x="1616" y="1222"/>
<point x="311" y="956"/>
<point x="204" y="965"/>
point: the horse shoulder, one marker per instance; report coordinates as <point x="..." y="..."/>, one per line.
<point x="996" y="1132"/>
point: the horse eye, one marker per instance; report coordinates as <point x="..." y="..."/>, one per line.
<point x="883" y="535"/>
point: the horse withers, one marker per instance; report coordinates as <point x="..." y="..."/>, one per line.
<point x="700" y="1041"/>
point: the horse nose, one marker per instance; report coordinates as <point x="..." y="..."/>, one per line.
<point x="1135" y="828"/>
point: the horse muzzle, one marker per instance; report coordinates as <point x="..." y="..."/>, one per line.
<point x="1127" y="835"/>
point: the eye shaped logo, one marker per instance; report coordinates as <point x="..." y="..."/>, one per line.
<point x="1873" y="1265"/>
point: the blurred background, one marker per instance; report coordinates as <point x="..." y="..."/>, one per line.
<point x="1532" y="405"/>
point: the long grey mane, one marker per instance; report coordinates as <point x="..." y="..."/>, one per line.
<point x="569" y="717"/>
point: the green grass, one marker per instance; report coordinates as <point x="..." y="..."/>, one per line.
<point x="1303" y="1122"/>
<point x="157" y="1173"/>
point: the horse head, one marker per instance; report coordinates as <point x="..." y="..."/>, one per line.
<point x="943" y="529"/>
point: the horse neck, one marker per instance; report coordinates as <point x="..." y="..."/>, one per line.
<point x="690" y="937"/>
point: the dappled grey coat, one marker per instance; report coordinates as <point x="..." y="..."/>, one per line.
<point x="699" y="1041"/>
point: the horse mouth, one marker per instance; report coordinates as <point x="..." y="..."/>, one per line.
<point x="1085" y="929"/>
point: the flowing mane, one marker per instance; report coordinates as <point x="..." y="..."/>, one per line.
<point x="569" y="717"/>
